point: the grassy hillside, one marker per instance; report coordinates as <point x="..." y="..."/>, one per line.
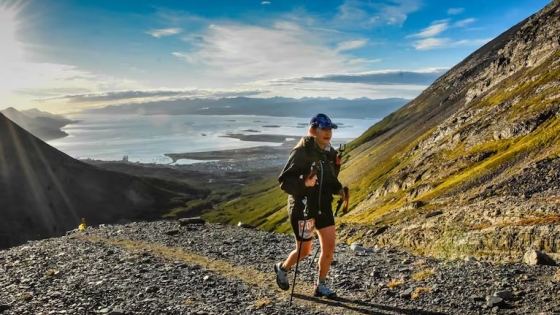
<point x="483" y="132"/>
<point x="262" y="204"/>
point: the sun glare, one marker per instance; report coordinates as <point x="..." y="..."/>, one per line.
<point x="12" y="50"/>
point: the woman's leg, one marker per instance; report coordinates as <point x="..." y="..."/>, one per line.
<point x="293" y="257"/>
<point x="282" y="268"/>
<point x="327" y="238"/>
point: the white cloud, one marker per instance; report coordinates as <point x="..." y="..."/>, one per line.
<point x="164" y="32"/>
<point x="265" y="2"/>
<point x="440" y="21"/>
<point x="27" y="81"/>
<point x="287" y="26"/>
<point x="12" y="49"/>
<point x="352" y="10"/>
<point x="249" y="52"/>
<point x="472" y="42"/>
<point x="47" y="76"/>
<point x="166" y="16"/>
<point x="438" y="43"/>
<point x="380" y="77"/>
<point x="353" y="44"/>
<point x="150" y="95"/>
<point x="464" y="22"/>
<point x="439" y="26"/>
<point x="185" y="56"/>
<point x="454" y="11"/>
<point x="353" y="13"/>
<point x="345" y="90"/>
<point x="431" y="43"/>
<point x="397" y="14"/>
<point x="431" y="31"/>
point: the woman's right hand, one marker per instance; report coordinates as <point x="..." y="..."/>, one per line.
<point x="311" y="180"/>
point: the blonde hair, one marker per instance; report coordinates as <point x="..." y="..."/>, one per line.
<point x="311" y="131"/>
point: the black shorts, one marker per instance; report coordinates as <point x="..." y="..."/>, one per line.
<point x="314" y="221"/>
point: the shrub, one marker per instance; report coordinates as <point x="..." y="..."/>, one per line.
<point x="394" y="284"/>
<point x="423" y="275"/>
<point x="263" y="302"/>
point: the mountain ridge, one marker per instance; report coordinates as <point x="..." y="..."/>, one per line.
<point x="44" y="192"/>
<point x="44" y="125"/>
<point x="341" y="108"/>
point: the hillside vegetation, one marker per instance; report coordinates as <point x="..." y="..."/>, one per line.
<point x="469" y="167"/>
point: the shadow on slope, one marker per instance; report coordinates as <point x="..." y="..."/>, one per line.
<point x="44" y="192"/>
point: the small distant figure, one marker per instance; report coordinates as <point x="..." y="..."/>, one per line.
<point x="82" y="226"/>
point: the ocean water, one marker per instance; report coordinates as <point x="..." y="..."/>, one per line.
<point x="146" y="139"/>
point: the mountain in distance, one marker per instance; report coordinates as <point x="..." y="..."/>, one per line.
<point x="315" y="98"/>
<point x="469" y="168"/>
<point x="44" y="192"/>
<point x="34" y="113"/>
<point x="45" y="126"/>
<point x="276" y="106"/>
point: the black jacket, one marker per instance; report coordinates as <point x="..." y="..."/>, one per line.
<point x="298" y="167"/>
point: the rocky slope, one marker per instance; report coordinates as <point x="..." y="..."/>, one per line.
<point x="466" y="168"/>
<point x="44" y="192"/>
<point x="480" y="146"/>
<point x="169" y="267"/>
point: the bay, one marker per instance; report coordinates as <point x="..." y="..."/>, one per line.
<point x="146" y="139"/>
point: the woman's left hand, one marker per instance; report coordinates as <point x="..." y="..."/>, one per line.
<point x="344" y="193"/>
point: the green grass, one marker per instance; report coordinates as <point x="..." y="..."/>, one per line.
<point x="191" y="208"/>
<point x="374" y="158"/>
<point x="546" y="135"/>
<point x="260" y="205"/>
<point x="524" y="90"/>
<point x="453" y="244"/>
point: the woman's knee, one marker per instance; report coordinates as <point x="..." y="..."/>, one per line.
<point x="327" y="238"/>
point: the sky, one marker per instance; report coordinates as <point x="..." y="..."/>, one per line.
<point x="66" y="55"/>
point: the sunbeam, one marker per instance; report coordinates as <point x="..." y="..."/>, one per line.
<point x="12" y="49"/>
<point x="31" y="178"/>
<point x="12" y="53"/>
<point x="55" y="181"/>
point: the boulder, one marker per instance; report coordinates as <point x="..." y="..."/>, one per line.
<point x="534" y="257"/>
<point x="193" y="220"/>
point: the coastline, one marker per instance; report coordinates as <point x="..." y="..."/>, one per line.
<point x="252" y="153"/>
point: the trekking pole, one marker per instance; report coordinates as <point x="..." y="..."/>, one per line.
<point x="299" y="254"/>
<point x="301" y="238"/>
<point x="314" y="256"/>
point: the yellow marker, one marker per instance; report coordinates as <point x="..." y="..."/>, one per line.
<point x="82" y="226"/>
